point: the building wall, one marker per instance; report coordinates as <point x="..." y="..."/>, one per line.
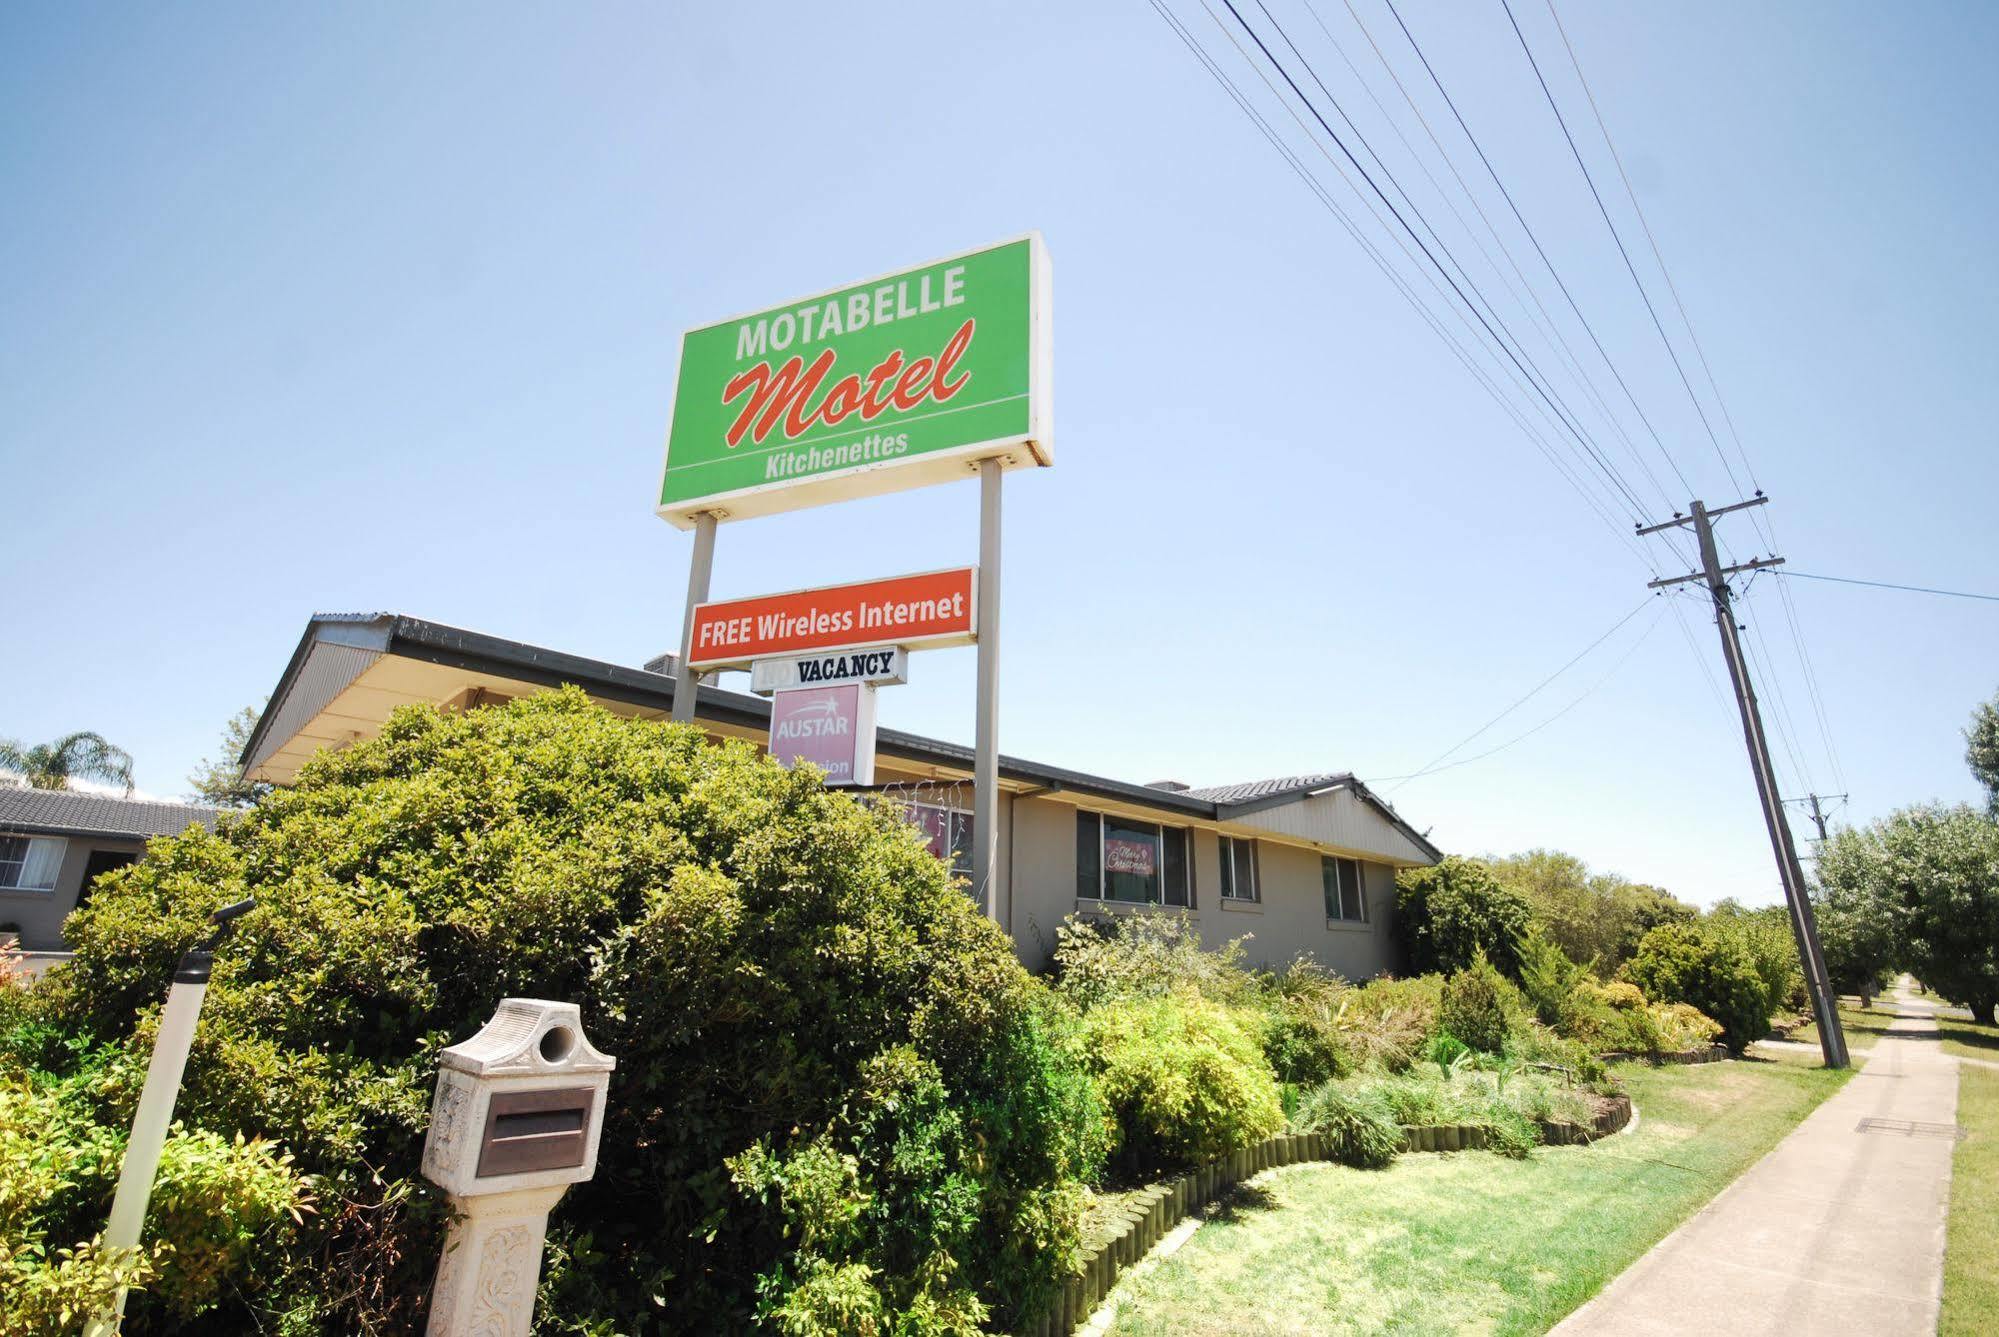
<point x="40" y="913"/>
<point x="1289" y="921"/>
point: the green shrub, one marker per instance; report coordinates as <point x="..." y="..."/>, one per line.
<point x="1575" y="1056"/>
<point x="1183" y="1079"/>
<point x="1479" y="1006"/>
<point x="1693" y="964"/>
<point x="1500" y="1097"/>
<point x="1385" y="1022"/>
<point x="1099" y="959"/>
<point x="1764" y="934"/>
<point x="1360" y="1126"/>
<point x="1681" y="1026"/>
<point x="214" y="1204"/>
<point x="1302" y="1033"/>
<point x="1448" y="913"/>
<point x="773" y="965"/>
<point x="1550" y="981"/>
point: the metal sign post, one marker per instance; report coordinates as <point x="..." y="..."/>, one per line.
<point x="985" y="763"/>
<point x="895" y="382"/>
<point x="687" y="682"/>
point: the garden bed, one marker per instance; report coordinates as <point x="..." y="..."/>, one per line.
<point x="1705" y="1054"/>
<point x="1613" y="1114"/>
<point x="1469" y="1243"/>
<point x="1123" y="1227"/>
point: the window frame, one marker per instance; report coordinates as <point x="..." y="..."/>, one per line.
<point x="1231" y="885"/>
<point x="19" y="866"/>
<point x="1335" y="890"/>
<point x="952" y="818"/>
<point x="1159" y="836"/>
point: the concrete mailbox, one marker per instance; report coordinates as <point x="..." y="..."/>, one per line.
<point x="513" y="1125"/>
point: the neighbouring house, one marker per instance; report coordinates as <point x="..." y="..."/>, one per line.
<point x="1305" y="864"/>
<point x="56" y="843"/>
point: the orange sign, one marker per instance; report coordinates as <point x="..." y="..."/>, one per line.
<point x="932" y="609"/>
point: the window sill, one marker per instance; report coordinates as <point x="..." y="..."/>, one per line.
<point x="42" y="892"/>
<point x="1085" y="905"/>
<point x="1241" y="907"/>
<point x="1349" y="926"/>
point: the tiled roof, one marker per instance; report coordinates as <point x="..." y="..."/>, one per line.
<point x="1255" y="789"/>
<point x="65" y="812"/>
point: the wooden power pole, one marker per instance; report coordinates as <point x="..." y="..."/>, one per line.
<point x="1804" y="925"/>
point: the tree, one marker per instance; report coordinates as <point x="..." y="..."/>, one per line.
<point x="1445" y="915"/>
<point x="219" y="780"/>
<point x="1707" y="967"/>
<point x="808" y="1019"/>
<point x="76" y="756"/>
<point x="1567" y="902"/>
<point x="1593" y="917"/>
<point x="1936" y="869"/>
<point x="1651" y="907"/>
<point x="1764" y="933"/>
<point x="1857" y="928"/>
<point x="1981" y="751"/>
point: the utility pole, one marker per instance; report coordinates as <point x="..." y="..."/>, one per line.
<point x="1818" y="813"/>
<point x="1804" y="925"/>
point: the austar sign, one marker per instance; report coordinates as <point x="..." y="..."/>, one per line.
<point x="873" y="388"/>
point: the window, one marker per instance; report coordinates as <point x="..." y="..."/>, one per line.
<point x="1134" y="863"/>
<point x="950" y="834"/>
<point x="1345" y="899"/>
<point x="1239" y="870"/>
<point x="29" y="863"/>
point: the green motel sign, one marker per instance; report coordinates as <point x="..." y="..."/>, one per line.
<point x="875" y="387"/>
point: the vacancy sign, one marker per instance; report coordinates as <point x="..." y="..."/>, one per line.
<point x="932" y="609"/>
<point x="880" y="666"/>
<point x="893" y="383"/>
<point x="832" y="728"/>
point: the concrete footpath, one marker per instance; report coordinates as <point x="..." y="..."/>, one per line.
<point x="1839" y="1229"/>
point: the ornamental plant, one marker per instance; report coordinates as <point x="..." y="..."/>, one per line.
<point x="1709" y="970"/>
<point x="216" y="1202"/>
<point x="838" y="1092"/>
<point x="1479" y="1007"/>
<point x="1450" y="912"/>
<point x="1183" y="1079"/>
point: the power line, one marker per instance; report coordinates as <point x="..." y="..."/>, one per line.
<point x="1714" y="386"/>
<point x="1630" y="268"/>
<point x="1525" y="697"/>
<point x="1602" y="462"/>
<point x="1767" y="524"/>
<point x="1539" y="313"/>
<point x="1787" y="729"/>
<point x="1888" y="585"/>
<point x="1587" y="692"/>
<point x="1535" y="240"/>
<point x="1388" y="271"/>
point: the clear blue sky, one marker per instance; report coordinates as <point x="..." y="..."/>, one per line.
<point x="341" y="308"/>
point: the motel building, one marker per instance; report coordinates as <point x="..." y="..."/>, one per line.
<point x="1305" y="865"/>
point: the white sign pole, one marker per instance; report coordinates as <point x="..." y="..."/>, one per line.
<point x="702" y="565"/>
<point x="985" y="765"/>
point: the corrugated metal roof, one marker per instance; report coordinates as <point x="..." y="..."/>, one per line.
<point x="1251" y="790"/>
<point x="66" y="812"/>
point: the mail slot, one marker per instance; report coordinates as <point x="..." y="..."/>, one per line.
<point x="535" y="1130"/>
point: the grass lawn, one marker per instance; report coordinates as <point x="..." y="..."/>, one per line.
<point x="1965" y="1039"/>
<point x="1472" y="1242"/>
<point x="1971" y="1261"/>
